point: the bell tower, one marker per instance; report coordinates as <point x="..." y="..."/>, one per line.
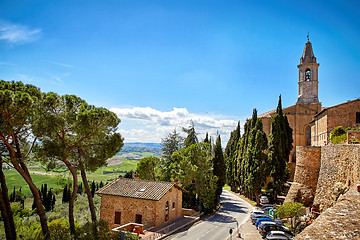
<point x="308" y="76"/>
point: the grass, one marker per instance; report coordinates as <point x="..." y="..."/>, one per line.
<point x="56" y="180"/>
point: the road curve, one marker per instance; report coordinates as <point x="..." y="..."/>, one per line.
<point x="233" y="212"/>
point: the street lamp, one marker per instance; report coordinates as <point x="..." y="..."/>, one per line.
<point x="210" y="169"/>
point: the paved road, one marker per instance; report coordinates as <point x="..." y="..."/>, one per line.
<point x="233" y="211"/>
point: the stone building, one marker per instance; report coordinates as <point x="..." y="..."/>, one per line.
<point x="311" y="123"/>
<point x="149" y="203"/>
<point x="345" y="114"/>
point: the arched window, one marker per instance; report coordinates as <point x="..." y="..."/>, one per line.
<point x="307" y="75"/>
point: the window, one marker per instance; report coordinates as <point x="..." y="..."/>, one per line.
<point x="358" y="117"/>
<point x="138" y="218"/>
<point x="307" y="75"/>
<point x="166" y="211"/>
<point x="173" y="205"/>
<point x="117" y="219"/>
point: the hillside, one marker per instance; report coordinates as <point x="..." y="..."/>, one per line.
<point x="138" y="150"/>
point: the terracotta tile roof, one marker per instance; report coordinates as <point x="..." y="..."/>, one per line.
<point x="267" y="114"/>
<point x="133" y="188"/>
<point x="326" y="108"/>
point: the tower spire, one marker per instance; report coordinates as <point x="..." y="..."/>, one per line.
<point x="308" y="76"/>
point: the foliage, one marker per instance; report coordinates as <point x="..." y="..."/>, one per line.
<point x="19" y="120"/>
<point x="189" y="164"/>
<point x="219" y="168"/>
<point x="338" y="135"/>
<point x="191" y="135"/>
<point x="170" y="144"/>
<point x="279" y="150"/>
<point x="231" y="158"/>
<point x="66" y="194"/>
<point x="251" y="157"/>
<point x="129" y="174"/>
<point x="290" y="210"/>
<point x="209" y="188"/>
<point x="146" y="168"/>
<point x="79" y="135"/>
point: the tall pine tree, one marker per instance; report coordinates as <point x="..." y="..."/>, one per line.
<point x="279" y="151"/>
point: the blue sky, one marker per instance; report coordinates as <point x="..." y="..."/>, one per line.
<point x="158" y="64"/>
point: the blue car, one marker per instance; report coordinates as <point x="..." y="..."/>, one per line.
<point x="263" y="219"/>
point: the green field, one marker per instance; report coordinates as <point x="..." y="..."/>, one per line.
<point x="55" y="180"/>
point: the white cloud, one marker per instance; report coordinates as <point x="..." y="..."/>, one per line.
<point x="17" y="34"/>
<point x="145" y="124"/>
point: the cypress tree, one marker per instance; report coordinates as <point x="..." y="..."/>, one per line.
<point x="253" y="158"/>
<point x="68" y="193"/>
<point x="53" y="200"/>
<point x="191" y="135"/>
<point x="219" y="168"/>
<point x="231" y="158"/>
<point x="93" y="187"/>
<point x="207" y="139"/>
<point x="63" y="200"/>
<point x="279" y="150"/>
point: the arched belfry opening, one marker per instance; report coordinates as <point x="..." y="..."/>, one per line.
<point x="307" y="74"/>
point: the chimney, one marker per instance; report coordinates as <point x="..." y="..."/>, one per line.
<point x="176" y="181"/>
<point x="136" y="176"/>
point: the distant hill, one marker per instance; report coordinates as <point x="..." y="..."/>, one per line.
<point x="140" y="150"/>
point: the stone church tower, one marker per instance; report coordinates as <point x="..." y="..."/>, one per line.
<point x="307" y="106"/>
<point x="308" y="76"/>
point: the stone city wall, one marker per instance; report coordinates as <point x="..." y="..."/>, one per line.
<point x="306" y="175"/>
<point x="324" y="173"/>
<point x="339" y="172"/>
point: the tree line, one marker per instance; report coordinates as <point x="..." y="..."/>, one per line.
<point x="252" y="158"/>
<point x="57" y="131"/>
<point x="198" y="166"/>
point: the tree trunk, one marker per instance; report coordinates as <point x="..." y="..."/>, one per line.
<point x="90" y="200"/>
<point x="5" y="208"/>
<point x="72" y="199"/>
<point x="26" y="176"/>
<point x="88" y="193"/>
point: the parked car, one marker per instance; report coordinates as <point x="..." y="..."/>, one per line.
<point x="279" y="234"/>
<point x="256" y="212"/>
<point x="276" y="238"/>
<point x="254" y="218"/>
<point x="268" y="219"/>
<point x="265" y="223"/>
<point x="264" y="200"/>
<point x="266" y="228"/>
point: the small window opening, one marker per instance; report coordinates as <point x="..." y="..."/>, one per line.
<point x="142" y="190"/>
<point x="307" y="75"/>
<point x="173" y="205"/>
<point x="117" y="219"/>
